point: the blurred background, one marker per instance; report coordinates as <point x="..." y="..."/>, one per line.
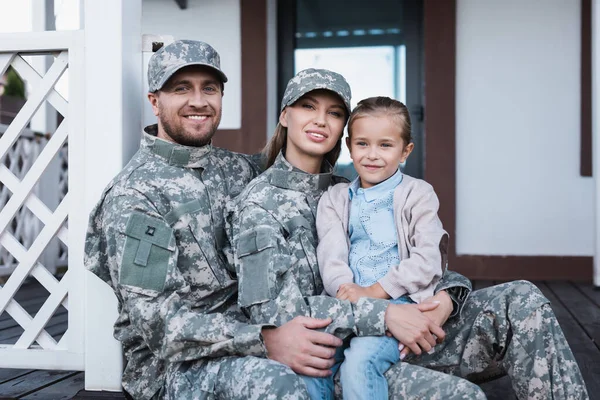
<point x="499" y="93"/>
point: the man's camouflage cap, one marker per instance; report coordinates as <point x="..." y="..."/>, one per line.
<point x="181" y="53"/>
<point x="311" y="79"/>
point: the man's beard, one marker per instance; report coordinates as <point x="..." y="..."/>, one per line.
<point x="181" y="136"/>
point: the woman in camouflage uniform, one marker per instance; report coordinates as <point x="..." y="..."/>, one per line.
<point x="273" y="227"/>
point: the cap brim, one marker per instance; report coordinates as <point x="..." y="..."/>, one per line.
<point x="317" y="87"/>
<point x="173" y="70"/>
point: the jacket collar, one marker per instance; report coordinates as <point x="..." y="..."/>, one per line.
<point x="284" y="175"/>
<point x="174" y="153"/>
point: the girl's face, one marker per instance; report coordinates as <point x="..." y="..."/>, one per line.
<point x="314" y="124"/>
<point x="376" y="148"/>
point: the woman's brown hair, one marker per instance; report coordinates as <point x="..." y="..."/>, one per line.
<point x="382" y="105"/>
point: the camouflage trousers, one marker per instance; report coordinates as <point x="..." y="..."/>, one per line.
<point x="505" y="329"/>
<point x="235" y="378"/>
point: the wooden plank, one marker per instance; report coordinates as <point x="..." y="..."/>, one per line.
<point x="481" y="284"/>
<point x="95" y="395"/>
<point x="45" y="314"/>
<point x="56" y="326"/>
<point x="62" y="390"/>
<point x="32" y="306"/>
<point x="586" y="353"/>
<point x="7" y="374"/>
<point x="9" y="322"/>
<point x="590" y="291"/>
<point x="30" y="289"/>
<point x="30" y="383"/>
<point x="581" y="308"/>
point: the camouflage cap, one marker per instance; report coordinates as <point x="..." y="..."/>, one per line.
<point x="181" y="53"/>
<point x="311" y="79"/>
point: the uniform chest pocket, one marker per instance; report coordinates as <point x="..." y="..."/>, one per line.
<point x="256" y="263"/>
<point x="303" y="240"/>
<point x="311" y="275"/>
<point x="149" y="246"/>
<point x="198" y="260"/>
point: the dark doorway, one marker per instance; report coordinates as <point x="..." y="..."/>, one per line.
<point x="376" y="45"/>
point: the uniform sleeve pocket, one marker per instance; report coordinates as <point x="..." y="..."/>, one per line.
<point x="255" y="251"/>
<point x="149" y="245"/>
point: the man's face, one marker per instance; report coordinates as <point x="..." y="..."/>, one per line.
<point x="188" y="106"/>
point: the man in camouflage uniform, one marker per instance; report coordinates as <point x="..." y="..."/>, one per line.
<point x="156" y="238"/>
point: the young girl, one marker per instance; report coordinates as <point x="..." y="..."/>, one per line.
<point x="379" y="236"/>
<point x="273" y="231"/>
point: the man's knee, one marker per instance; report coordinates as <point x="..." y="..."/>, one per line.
<point x="458" y="390"/>
<point x="287" y="385"/>
<point x="258" y="378"/>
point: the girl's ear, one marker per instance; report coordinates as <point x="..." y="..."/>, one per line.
<point x="282" y="118"/>
<point x="407" y="150"/>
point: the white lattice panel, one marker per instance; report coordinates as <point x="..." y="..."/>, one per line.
<point x="27" y="226"/>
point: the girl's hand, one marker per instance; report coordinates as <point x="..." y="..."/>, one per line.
<point x="353" y="292"/>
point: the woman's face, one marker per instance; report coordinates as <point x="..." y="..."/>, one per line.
<point x="314" y="124"/>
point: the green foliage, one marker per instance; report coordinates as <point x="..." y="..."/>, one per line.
<point x="14" y="84"/>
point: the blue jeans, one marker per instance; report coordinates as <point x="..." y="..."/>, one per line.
<point x="323" y="388"/>
<point x="367" y="359"/>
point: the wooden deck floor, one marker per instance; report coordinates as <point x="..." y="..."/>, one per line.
<point x="577" y="307"/>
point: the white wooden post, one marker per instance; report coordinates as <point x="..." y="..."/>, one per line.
<point x="596" y="128"/>
<point x="44" y="121"/>
<point x="113" y="77"/>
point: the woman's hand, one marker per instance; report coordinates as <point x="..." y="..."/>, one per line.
<point x="353" y="292"/>
<point x="438" y="315"/>
<point x="412" y="328"/>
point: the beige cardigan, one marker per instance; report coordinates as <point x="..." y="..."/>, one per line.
<point x="422" y="242"/>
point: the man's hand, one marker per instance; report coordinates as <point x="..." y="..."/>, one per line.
<point x="297" y="345"/>
<point x="353" y="292"/>
<point x="412" y="328"/>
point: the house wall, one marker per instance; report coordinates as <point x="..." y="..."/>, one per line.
<point x="518" y="184"/>
<point x="216" y="22"/>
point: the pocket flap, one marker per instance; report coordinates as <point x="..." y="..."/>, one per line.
<point x="149" y="229"/>
<point x="256" y="240"/>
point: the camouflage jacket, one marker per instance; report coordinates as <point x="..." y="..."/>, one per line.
<point x="274" y="242"/>
<point x="156" y="237"/>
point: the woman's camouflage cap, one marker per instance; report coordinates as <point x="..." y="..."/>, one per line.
<point x="181" y="53"/>
<point x="311" y="79"/>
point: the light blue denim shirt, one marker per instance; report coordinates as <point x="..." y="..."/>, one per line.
<point x="372" y="230"/>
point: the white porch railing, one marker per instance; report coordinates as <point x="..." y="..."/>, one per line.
<point x="25" y="227"/>
<point x="25" y="164"/>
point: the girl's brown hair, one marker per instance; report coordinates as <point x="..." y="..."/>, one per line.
<point x="381" y="105"/>
<point x="279" y="139"/>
